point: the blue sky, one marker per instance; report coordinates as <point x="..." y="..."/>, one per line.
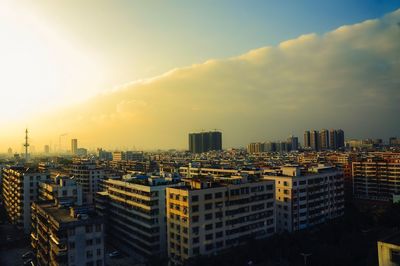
<point x="146" y="38"/>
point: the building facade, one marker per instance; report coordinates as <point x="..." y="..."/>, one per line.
<point x="66" y="237"/>
<point x="88" y="175"/>
<point x="19" y="190"/>
<point x="134" y="209"/>
<point x="62" y="190"/>
<point x="376" y="178"/>
<point x="206" y="216"/>
<point x="307" y="197"/>
<point x="205" y="141"/>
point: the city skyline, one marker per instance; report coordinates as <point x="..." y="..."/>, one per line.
<point x="270" y="87"/>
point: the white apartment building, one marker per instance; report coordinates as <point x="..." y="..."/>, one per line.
<point x="88" y="175"/>
<point x="67" y="237"/>
<point x="134" y="209"/>
<point x="307" y="197"/>
<point x="62" y="190"/>
<point x="19" y="190"/>
<point x="208" y="215"/>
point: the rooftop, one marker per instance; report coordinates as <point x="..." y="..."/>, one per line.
<point x="392" y="239"/>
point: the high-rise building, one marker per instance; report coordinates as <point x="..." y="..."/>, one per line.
<point x="74" y="146"/>
<point x="307" y="198"/>
<point x="314" y="140"/>
<point x="206" y="215"/>
<point x="333" y="139"/>
<point x="340" y="138"/>
<point x="46" y="149"/>
<point x="294" y="143"/>
<point x="324" y="139"/>
<point x="256" y="147"/>
<point x="205" y="141"/>
<point x="307" y="139"/>
<point x="19" y="190"/>
<point x="134" y="210"/>
<point x="62" y="236"/>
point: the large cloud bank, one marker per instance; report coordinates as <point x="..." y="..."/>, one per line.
<point x="348" y="78"/>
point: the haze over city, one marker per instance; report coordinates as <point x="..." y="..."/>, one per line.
<point x="145" y="75"/>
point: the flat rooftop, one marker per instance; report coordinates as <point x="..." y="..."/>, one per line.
<point x="392" y="239"/>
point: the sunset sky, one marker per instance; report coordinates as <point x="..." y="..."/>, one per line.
<point x="142" y="74"/>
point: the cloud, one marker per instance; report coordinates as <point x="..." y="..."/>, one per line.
<point x="348" y="78"/>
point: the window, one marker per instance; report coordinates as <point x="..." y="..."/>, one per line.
<point x="195" y="219"/>
<point x="89" y="254"/>
<point x="195" y="208"/>
<point x="195" y="230"/>
<point x="98" y="227"/>
<point x="219" y="234"/>
<point x="98" y="252"/>
<point x="71" y="232"/>
<point x="208" y="216"/>
<point x="395" y="256"/>
<point x="89" y="242"/>
<point x="208" y="206"/>
<point x="208" y="196"/>
<point x="209" y="237"/>
<point x="89" y="228"/>
<point x="99" y="263"/>
<point x="90" y="263"/>
<point x="195" y="240"/>
<point x="98" y="240"/>
<point x="209" y="247"/>
<point x="71" y="245"/>
<point x="209" y="226"/>
<point x="195" y="198"/>
<point x="218" y="195"/>
<point x="218" y="225"/>
<point x="196" y="251"/>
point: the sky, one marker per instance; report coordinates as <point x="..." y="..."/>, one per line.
<point x="142" y="74"/>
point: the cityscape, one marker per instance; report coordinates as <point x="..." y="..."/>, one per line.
<point x="284" y="151"/>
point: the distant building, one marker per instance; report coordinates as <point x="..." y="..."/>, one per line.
<point x="314" y="140"/>
<point x="46" y="149"/>
<point x="104" y="155"/>
<point x="19" y="190"/>
<point x="62" y="236"/>
<point x="389" y="251"/>
<point x="88" y="175"/>
<point x="393" y="141"/>
<point x="307" y="197"/>
<point x="205" y="141"/>
<point x="307" y="139"/>
<point x="294" y="143"/>
<point x="324" y="139"/>
<point x="208" y="215"/>
<point x="81" y="152"/>
<point x="74" y="146"/>
<point x="256" y="147"/>
<point x="340" y="139"/>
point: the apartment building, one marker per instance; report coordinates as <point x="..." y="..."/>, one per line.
<point x="134" y="209"/>
<point x="67" y="237"/>
<point x="389" y="251"/>
<point x="208" y="215"/>
<point x="307" y="197"/>
<point x="376" y="178"/>
<point x="198" y="171"/>
<point x="61" y="189"/>
<point x="19" y="190"/>
<point x="88" y="175"/>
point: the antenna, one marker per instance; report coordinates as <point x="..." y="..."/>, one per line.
<point x="26" y="145"/>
